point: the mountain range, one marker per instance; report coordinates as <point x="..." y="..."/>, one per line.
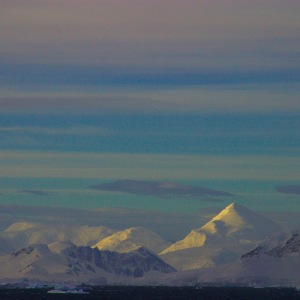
<point x="65" y="262"/>
<point x="236" y="246"/>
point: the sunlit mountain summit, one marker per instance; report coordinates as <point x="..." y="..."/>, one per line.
<point x="234" y="230"/>
<point x="131" y="239"/>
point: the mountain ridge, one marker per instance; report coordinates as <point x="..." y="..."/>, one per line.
<point x="83" y="263"/>
<point x="131" y="239"/>
<point x="233" y="231"/>
<point x="227" y="249"/>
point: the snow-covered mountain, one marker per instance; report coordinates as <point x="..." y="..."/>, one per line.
<point x="235" y="230"/>
<point x="67" y="262"/>
<point x="131" y="239"/>
<point x="135" y="263"/>
<point x="281" y="245"/>
<point x="21" y="234"/>
<point x="35" y="261"/>
<point x="222" y="251"/>
<point x="275" y="262"/>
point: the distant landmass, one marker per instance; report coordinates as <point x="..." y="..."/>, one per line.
<point x="237" y="246"/>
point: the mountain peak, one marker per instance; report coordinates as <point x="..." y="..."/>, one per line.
<point x="232" y="218"/>
<point x="236" y="219"/>
<point x="131" y="239"/>
<point x="233" y="224"/>
<point x="234" y="207"/>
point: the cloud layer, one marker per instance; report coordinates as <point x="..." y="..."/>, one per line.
<point x="213" y="87"/>
<point x="159" y="189"/>
<point x="162" y="167"/>
<point x="216" y="97"/>
<point x="51" y="51"/>
<point x="180" y="34"/>
<point x="289" y="189"/>
<point x="36" y="193"/>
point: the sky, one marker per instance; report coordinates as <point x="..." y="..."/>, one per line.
<point x="198" y="98"/>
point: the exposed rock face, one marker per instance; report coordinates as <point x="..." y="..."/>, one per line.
<point x="289" y="247"/>
<point x="257" y="252"/>
<point x="69" y="262"/>
<point x="134" y="263"/>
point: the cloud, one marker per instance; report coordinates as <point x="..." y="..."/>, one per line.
<point x="115" y="166"/>
<point x="146" y="32"/>
<point x="52" y="131"/>
<point x="36" y="193"/>
<point x="216" y="96"/>
<point x="101" y="44"/>
<point x="137" y="46"/>
<point x="159" y="189"/>
<point x="82" y="102"/>
<point x="289" y="189"/>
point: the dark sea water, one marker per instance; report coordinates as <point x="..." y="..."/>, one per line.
<point x="145" y="293"/>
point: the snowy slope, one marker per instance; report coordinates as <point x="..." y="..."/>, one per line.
<point x="35" y="261"/>
<point x="275" y="262"/>
<point x="235" y="230"/>
<point x="131" y="239"/>
<point x="22" y="234"/>
<point x="199" y="257"/>
<point x="234" y="222"/>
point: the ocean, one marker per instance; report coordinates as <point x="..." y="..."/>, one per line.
<point x="153" y="293"/>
